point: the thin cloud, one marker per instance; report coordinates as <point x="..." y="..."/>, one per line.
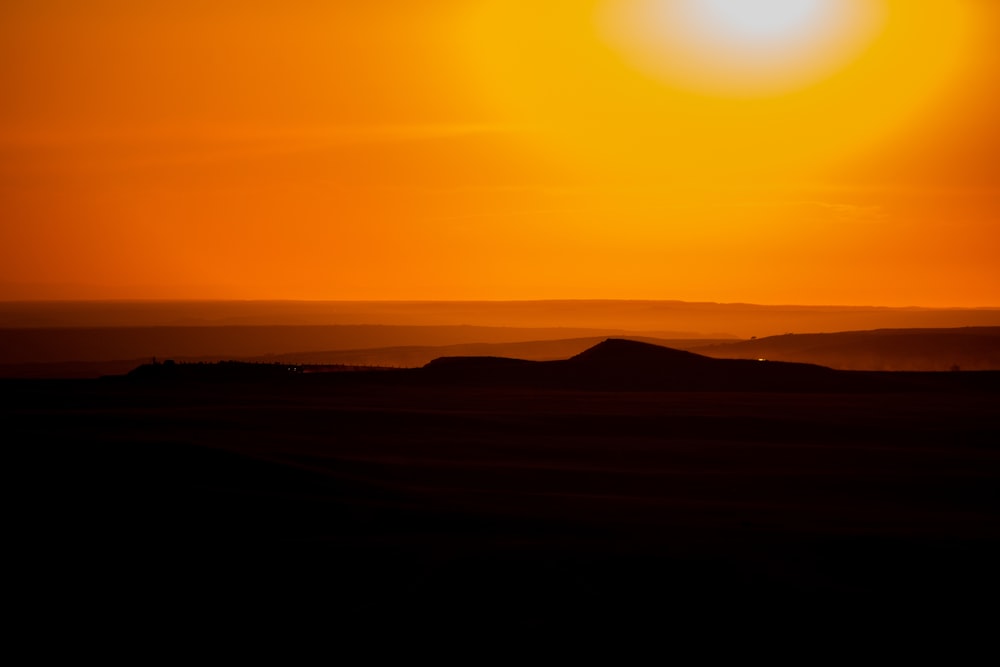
<point x="854" y="212"/>
<point x="152" y="146"/>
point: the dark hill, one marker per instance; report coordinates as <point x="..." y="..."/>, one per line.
<point x="620" y="351"/>
<point x="629" y="365"/>
<point x="612" y="365"/>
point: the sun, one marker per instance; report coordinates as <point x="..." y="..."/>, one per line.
<point x="682" y="90"/>
<point x="741" y="47"/>
<point x="761" y="20"/>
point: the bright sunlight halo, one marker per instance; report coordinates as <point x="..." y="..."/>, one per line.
<point x="761" y="20"/>
<point x="741" y="47"/>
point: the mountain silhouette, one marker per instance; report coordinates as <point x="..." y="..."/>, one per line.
<point x="612" y="365"/>
<point x="619" y="364"/>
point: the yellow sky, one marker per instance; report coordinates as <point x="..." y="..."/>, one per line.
<point x="502" y="149"/>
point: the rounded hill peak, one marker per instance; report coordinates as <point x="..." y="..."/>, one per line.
<point x="622" y="350"/>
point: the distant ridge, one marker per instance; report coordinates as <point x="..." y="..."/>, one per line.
<point x="658" y="318"/>
<point x="965" y="348"/>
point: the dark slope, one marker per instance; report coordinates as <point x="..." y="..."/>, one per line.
<point x="968" y="348"/>
<point x="628" y="364"/>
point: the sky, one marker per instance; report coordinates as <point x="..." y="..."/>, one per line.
<point x="762" y="151"/>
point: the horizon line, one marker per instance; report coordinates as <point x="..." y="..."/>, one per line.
<point x="133" y="300"/>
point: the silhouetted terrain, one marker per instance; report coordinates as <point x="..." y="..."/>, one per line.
<point x="611" y="365"/>
<point x="91" y="352"/>
<point x="100" y="344"/>
<point x="584" y="494"/>
<point x="617" y="364"/>
<point x="47" y="353"/>
<point x="414" y="356"/>
<point x="101" y="338"/>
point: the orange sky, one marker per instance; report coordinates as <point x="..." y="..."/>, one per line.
<point x="502" y="149"/>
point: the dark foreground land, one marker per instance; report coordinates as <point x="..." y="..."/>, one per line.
<point x="447" y="505"/>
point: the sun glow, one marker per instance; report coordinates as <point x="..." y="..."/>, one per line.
<point x="688" y="89"/>
<point x="761" y="20"/>
<point x="741" y="47"/>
